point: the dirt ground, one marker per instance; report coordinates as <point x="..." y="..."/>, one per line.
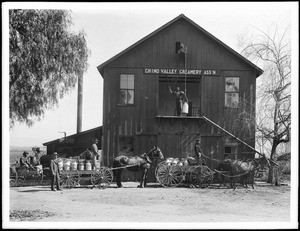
<point x="264" y="203"/>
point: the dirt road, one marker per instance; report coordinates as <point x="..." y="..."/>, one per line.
<point x="154" y="204"/>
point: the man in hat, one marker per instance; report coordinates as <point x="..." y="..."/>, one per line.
<point x="25" y="161"/>
<point x="199" y="153"/>
<point x="54" y="168"/>
<point x="95" y="151"/>
<point x="180" y="97"/>
<point x="196" y="158"/>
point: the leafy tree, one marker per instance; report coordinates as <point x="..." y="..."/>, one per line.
<point x="45" y="60"/>
<point x="272" y="49"/>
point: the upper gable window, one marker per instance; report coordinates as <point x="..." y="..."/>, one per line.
<point x="126" y="89"/>
<point x="232" y="89"/>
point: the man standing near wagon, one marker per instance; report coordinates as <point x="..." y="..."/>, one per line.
<point x="54" y="168"/>
<point x="97" y="155"/>
<point x="199" y="153"/>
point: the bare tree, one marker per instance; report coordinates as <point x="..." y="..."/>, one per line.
<point x="273" y="118"/>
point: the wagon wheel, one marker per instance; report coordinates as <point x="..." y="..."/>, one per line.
<point x="201" y="176"/>
<point x="69" y="179"/>
<point x="102" y="177"/>
<point x="13" y="178"/>
<point x="157" y="167"/>
<point x="169" y="175"/>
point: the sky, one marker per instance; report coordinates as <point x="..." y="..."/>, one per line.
<point x="112" y="27"/>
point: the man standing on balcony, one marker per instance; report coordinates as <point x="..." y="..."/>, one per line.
<point x="179" y="96"/>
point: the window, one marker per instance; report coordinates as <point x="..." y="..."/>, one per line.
<point x="232" y="92"/>
<point x="126" y="89"/>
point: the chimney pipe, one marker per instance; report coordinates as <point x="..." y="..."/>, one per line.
<point x="79" y="104"/>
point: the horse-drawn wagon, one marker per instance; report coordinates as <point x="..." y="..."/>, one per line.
<point x="172" y="173"/>
<point x="28" y="175"/>
<point x="80" y="168"/>
<point x="77" y="168"/>
<point x="21" y="176"/>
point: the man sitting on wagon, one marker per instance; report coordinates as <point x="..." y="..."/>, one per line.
<point x="25" y="161"/>
<point x="25" y="164"/>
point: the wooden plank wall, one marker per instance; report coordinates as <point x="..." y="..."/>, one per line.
<point x="139" y="120"/>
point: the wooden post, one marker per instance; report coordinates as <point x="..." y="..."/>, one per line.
<point x="79" y="103"/>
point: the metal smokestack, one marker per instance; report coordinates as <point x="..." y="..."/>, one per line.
<point x="79" y="104"/>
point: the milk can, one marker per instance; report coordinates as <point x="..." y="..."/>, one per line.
<point x="88" y="165"/>
<point x="67" y="165"/>
<point x="175" y="161"/>
<point x="97" y="163"/>
<point x="185" y="108"/>
<point x="185" y="162"/>
<point x="74" y="165"/>
<point x="60" y="164"/>
<point x="81" y="166"/>
<point x="169" y="161"/>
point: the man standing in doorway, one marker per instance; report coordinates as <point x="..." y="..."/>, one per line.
<point x="179" y="96"/>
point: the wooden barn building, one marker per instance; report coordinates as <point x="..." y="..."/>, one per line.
<point x="139" y="110"/>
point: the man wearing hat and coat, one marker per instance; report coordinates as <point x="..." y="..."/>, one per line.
<point x="54" y="168"/>
<point x="95" y="151"/>
<point x="25" y="164"/>
<point x="197" y="158"/>
<point x="199" y="153"/>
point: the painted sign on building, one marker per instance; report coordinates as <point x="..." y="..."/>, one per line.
<point x="174" y="71"/>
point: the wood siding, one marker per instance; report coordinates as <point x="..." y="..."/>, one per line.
<point x="175" y="136"/>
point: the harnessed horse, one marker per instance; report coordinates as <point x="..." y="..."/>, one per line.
<point x="244" y="169"/>
<point x="136" y="164"/>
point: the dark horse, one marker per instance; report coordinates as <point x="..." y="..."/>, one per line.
<point x="243" y="169"/>
<point x="139" y="163"/>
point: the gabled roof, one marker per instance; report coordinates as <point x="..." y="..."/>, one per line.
<point x="181" y="16"/>
<point x="74" y="135"/>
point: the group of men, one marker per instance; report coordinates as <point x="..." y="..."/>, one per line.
<point x="28" y="162"/>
